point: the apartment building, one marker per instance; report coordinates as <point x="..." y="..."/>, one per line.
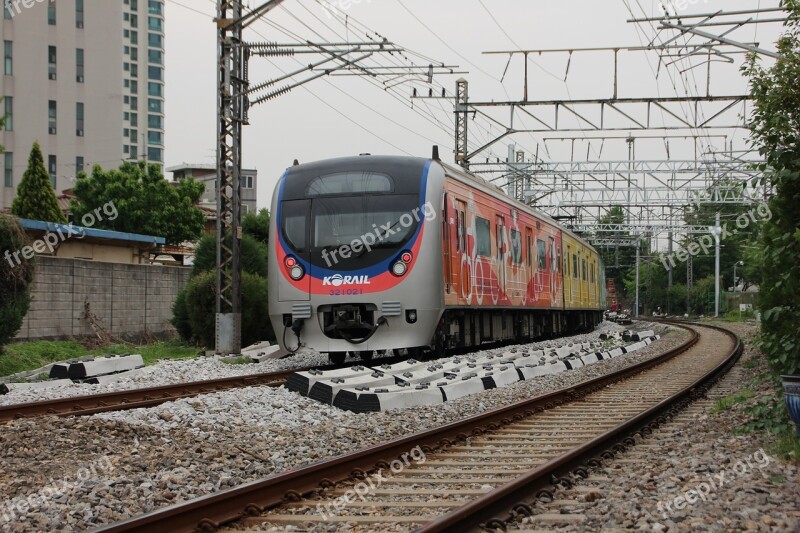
<point x="86" y="79"/>
<point x="207" y="175"/>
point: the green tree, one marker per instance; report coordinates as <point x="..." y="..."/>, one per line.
<point x="16" y="277"/>
<point x="257" y="225"/>
<point x="253" y="257"/>
<point x="201" y="309"/>
<point x="36" y="198"/>
<point x="146" y="203"/>
<point x="775" y="128"/>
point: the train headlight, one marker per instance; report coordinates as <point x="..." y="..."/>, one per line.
<point x="297" y="272"/>
<point x="399" y="269"/>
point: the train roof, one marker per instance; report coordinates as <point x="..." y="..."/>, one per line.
<point x="400" y="161"/>
<point x="497" y="190"/>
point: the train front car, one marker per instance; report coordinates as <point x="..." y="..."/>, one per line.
<point x="355" y="244"/>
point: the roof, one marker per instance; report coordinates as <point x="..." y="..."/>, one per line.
<point x="204" y="166"/>
<point x="71" y="229"/>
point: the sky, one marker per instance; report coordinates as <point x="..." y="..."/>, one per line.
<point x="349" y="115"/>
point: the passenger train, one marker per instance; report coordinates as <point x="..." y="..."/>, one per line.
<point x="386" y="253"/>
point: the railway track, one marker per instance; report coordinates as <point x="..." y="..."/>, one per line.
<point x="92" y="404"/>
<point x="481" y="470"/>
<point x="134" y="398"/>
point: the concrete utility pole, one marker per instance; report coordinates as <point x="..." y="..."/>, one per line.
<point x="638" y="257"/>
<point x="717" y="232"/>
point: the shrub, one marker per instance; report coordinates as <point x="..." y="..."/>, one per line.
<point x="254" y="256"/>
<point x="15" y="279"/>
<point x="200" y="302"/>
<point x="180" y="319"/>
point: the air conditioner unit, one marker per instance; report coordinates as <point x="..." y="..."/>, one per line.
<point x="52" y="131"/>
<point x="80" y="79"/>
<point x="52" y="75"/>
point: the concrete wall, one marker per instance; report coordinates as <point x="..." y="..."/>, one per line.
<point x="127" y="299"/>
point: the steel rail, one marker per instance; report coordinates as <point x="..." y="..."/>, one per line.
<point x="135" y="398"/>
<point x="485" y="512"/>
<point x="209" y="513"/>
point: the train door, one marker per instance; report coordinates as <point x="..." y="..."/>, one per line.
<point x="529" y="263"/>
<point x="501" y="249"/>
<point x="448" y="223"/>
<point x="461" y="247"/>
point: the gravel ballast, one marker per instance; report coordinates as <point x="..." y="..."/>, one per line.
<point x="145" y="459"/>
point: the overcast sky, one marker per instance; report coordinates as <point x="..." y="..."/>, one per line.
<point x="337" y="116"/>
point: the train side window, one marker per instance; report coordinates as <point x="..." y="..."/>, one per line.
<point x="553" y="262"/>
<point x="575" y="266"/>
<point x="483" y="237"/>
<point x="529" y="246"/>
<point x="516" y="247"/>
<point x="583" y="264"/>
<point x="542" y="257"/>
<point x="462" y="231"/>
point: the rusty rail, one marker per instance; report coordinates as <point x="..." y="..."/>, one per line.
<point x="211" y="512"/>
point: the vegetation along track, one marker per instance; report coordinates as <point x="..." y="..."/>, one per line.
<point x="480" y="470"/>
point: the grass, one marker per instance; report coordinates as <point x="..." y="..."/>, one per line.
<point x="238" y="361"/>
<point x="723" y="404"/>
<point x="25" y="356"/>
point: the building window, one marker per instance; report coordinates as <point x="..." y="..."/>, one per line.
<point x="7" y="11"/>
<point x="134" y="136"/>
<point x="155" y="154"/>
<point x="9" y="55"/>
<point x="51" y="62"/>
<point x="134" y="21"/>
<point x="155" y="40"/>
<point x="155" y="122"/>
<point x="134" y="103"/>
<point x="247" y="182"/>
<point x="154" y="73"/>
<point x="154" y="105"/>
<point x="155" y="24"/>
<point x="51" y="167"/>
<point x="134" y="70"/>
<point x="51" y="12"/>
<point x="9" y="116"/>
<point x="134" y="5"/>
<point x="134" y="153"/>
<point x="79" y="13"/>
<point x="155" y="137"/>
<point x="134" y="54"/>
<point x="155" y="56"/>
<point x="126" y="149"/>
<point x="155" y="89"/>
<point x="79" y="65"/>
<point x="135" y="86"/>
<point x="52" y="117"/>
<point x="134" y="119"/>
<point x="9" y="169"/>
<point x="78" y="164"/>
<point x="79" y="119"/>
<point x="134" y="37"/>
<point x="154" y="7"/>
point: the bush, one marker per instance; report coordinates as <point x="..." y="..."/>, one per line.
<point x="15" y="279"/>
<point x="200" y="303"/>
<point x="180" y="318"/>
<point x="254" y="256"/>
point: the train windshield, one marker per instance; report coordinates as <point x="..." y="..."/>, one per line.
<point x="354" y="230"/>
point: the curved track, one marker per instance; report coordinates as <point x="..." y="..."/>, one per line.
<point x="476" y="470"/>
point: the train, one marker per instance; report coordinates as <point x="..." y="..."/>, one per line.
<point x="371" y="253"/>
